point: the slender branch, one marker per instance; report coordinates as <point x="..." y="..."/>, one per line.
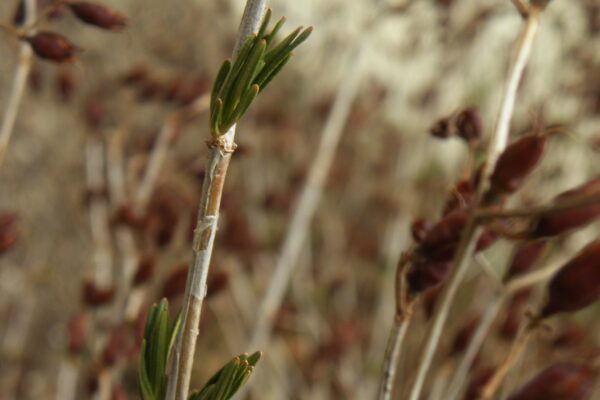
<point x="398" y="332"/>
<point x="520" y="343"/>
<point x="521" y="7"/>
<point x="309" y="199"/>
<point x="565" y="205"/>
<point x="19" y="83"/>
<point x="204" y="235"/>
<point x="162" y="147"/>
<point x="492" y="309"/>
<point x="471" y="232"/>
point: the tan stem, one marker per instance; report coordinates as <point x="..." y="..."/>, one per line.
<point x="19" y="83"/>
<point x="492" y="386"/>
<point x="204" y="235"/>
<point x="471" y="232"/>
<point x="308" y="201"/>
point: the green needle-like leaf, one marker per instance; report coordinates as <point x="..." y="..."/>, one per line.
<point x="272" y="72"/>
<point x="219" y="82"/>
<point x="269" y="38"/>
<point x="282" y="47"/>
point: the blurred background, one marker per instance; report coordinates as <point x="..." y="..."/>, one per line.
<point x="86" y="131"/>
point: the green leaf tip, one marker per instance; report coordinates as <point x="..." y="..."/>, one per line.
<point x="257" y="62"/>
<point x="159" y="338"/>
<point x="224" y="384"/>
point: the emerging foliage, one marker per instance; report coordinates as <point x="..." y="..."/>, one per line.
<point x="159" y="338"/>
<point x="257" y="62"/>
<point x="229" y="379"/>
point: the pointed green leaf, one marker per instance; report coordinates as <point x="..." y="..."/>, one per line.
<point x="245" y="102"/>
<point x="219" y="82"/>
<point x="269" y="38"/>
<point x="272" y="73"/>
<point x="265" y="24"/>
<point x="281" y="47"/>
<point x="301" y="38"/>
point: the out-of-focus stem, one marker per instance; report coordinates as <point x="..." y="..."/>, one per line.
<point x="204" y="235"/>
<point x="309" y="199"/>
<point x="161" y="149"/>
<point x="19" y="83"/>
<point x="471" y="232"/>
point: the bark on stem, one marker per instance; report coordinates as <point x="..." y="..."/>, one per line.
<point x="472" y="230"/>
<point x="204" y="235"/>
<point x="19" y="83"/>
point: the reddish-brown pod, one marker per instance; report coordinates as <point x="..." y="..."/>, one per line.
<point x="562" y="381"/>
<point x="469" y="125"/>
<point x="516" y="162"/>
<point x="464" y="335"/>
<point x="419" y="228"/>
<point x="66" y="84"/>
<point x="441" y="240"/>
<point x="98" y="15"/>
<point x="555" y="223"/>
<point x="52" y="46"/>
<point x="577" y="284"/>
<point x="94" y="296"/>
<point x="461" y="196"/>
<point x="77" y="333"/>
<point x="479" y="380"/>
<point x="8" y="232"/>
<point x="525" y="257"/>
<point x="441" y="129"/>
<point x="425" y="275"/>
<point x="145" y="270"/>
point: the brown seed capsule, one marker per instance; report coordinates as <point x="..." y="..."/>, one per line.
<point x="135" y="76"/>
<point x="577" y="284"/>
<point x="525" y="257"/>
<point x="461" y="196"/>
<point x="555" y="223"/>
<point x="419" y="228"/>
<point x="469" y="125"/>
<point x="116" y="347"/>
<point x="77" y="333"/>
<point x="66" y="84"/>
<point x="464" y="335"/>
<point x="94" y="296"/>
<point x="562" y="381"/>
<point x="425" y="275"/>
<point x="441" y="129"/>
<point x="514" y="315"/>
<point x="52" y="46"/>
<point x="516" y="163"/>
<point x="571" y="336"/>
<point x="8" y="232"/>
<point x="98" y="15"/>
<point x="145" y="270"/>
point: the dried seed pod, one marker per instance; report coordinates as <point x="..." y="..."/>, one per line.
<point x="52" y="46"/>
<point x="572" y="336"/>
<point x="425" y="275"/>
<point x="442" y="239"/>
<point x="8" y="232"/>
<point x="516" y="162"/>
<point x="145" y="270"/>
<point x="441" y="129"/>
<point x="66" y="84"/>
<point x="514" y="315"/>
<point x="419" y="228"/>
<point x="562" y="381"/>
<point x="479" y="380"/>
<point x="116" y="347"/>
<point x="94" y="296"/>
<point x="464" y="335"/>
<point x="524" y="258"/>
<point x="461" y="196"/>
<point x="77" y="333"/>
<point x="469" y="125"/>
<point x="135" y="76"/>
<point x="577" y="284"/>
<point x="555" y="223"/>
<point x="98" y="15"/>
<point x="94" y="113"/>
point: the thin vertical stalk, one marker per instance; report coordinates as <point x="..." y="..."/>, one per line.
<point x="472" y="230"/>
<point x="204" y="234"/>
<point x="392" y="354"/>
<point x="309" y="198"/>
<point x="19" y="83"/>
